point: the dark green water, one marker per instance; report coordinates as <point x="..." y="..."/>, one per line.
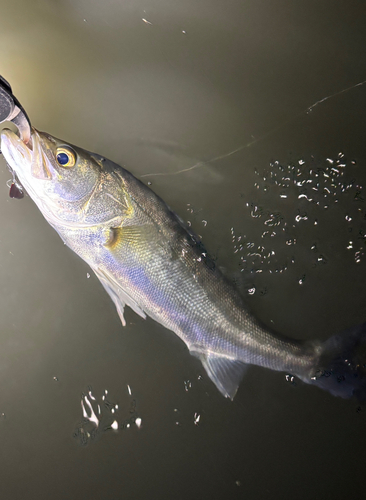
<point x="261" y="98"/>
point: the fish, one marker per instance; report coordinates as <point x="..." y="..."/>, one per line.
<point x="147" y="258"/>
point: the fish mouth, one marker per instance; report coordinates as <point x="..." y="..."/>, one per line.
<point x="14" y="149"/>
<point x="24" y="157"/>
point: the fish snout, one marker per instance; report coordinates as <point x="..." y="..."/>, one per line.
<point x="15" y="151"/>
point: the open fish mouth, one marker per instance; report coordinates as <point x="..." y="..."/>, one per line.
<point x="15" y="151"/>
<point x="21" y="156"/>
<point x="16" y="190"/>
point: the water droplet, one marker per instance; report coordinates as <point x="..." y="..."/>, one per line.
<point x="138" y="422"/>
<point x="55" y="379"/>
<point x="114" y="425"/>
<point x="302" y="279"/>
<point x="187" y="385"/>
<point x="321" y="259"/>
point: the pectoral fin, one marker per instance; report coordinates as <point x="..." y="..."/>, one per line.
<point x="118" y="295"/>
<point x="225" y="373"/>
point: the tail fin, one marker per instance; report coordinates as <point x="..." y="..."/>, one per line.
<point x="342" y="364"/>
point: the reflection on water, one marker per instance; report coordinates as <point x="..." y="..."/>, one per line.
<point x="100" y="414"/>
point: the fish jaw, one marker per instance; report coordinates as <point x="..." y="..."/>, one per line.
<point x="16" y="152"/>
<point x="24" y="160"/>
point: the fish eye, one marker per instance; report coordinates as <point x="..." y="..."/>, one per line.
<point x="65" y="157"/>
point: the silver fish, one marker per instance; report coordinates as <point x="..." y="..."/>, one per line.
<point x="146" y="258"/>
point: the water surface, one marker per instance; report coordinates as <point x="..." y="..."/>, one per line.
<point x="228" y="110"/>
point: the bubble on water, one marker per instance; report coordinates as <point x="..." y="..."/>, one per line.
<point x="196" y="418"/>
<point x="300" y="217"/>
<point x="55" y="379"/>
<point x="322" y="184"/>
<point x="290" y="379"/>
<point x="187" y="385"/>
<point x="358" y="256"/>
<point x="321" y="259"/>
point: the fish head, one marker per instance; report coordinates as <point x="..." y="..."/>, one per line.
<point x="57" y="175"/>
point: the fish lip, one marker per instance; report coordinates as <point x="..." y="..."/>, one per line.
<point x="10" y="140"/>
<point x="21" y="155"/>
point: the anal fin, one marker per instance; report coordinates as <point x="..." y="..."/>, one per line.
<point x="224" y="372"/>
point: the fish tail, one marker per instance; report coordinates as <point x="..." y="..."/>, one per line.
<point x="341" y="369"/>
